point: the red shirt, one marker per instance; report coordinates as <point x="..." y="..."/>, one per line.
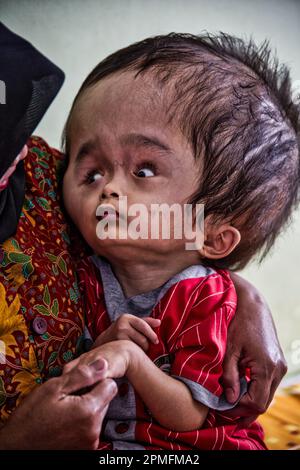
<point x="195" y="314"/>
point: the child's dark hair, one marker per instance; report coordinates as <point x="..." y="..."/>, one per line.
<point x="233" y="103"/>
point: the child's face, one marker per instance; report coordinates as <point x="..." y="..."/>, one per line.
<point x="122" y="145"/>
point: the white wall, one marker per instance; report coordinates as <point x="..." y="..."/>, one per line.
<point x="77" y="34"/>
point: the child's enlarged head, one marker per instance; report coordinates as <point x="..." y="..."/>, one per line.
<point x="231" y="105"/>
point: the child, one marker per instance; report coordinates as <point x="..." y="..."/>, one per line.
<point x="177" y="119"/>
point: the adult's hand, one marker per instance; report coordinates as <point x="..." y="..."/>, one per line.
<point x="56" y="416"/>
<point x="252" y="343"/>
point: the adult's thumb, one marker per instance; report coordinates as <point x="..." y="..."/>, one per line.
<point x="83" y="376"/>
<point x="231" y="379"/>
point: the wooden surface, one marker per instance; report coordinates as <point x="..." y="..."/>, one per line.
<point x="281" y="423"/>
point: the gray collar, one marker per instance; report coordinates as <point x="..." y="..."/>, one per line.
<point x="140" y="305"/>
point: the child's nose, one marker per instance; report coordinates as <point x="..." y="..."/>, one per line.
<point x="114" y="188"/>
<point x="107" y="193"/>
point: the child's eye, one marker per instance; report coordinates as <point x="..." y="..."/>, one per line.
<point x="147" y="170"/>
<point x="93" y="176"/>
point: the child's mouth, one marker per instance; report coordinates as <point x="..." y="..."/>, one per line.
<point x="106" y="213"/>
<point x="109" y="216"/>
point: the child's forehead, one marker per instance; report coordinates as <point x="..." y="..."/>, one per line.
<point x="116" y="118"/>
<point x="125" y="86"/>
<point x="122" y="97"/>
<point x="172" y="96"/>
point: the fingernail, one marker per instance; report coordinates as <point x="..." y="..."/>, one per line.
<point x="113" y="388"/>
<point x="97" y="365"/>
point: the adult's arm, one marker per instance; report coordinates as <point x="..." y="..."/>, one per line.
<point x="56" y="416"/>
<point x="252" y="343"/>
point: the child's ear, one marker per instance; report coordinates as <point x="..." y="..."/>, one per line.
<point x="219" y="241"/>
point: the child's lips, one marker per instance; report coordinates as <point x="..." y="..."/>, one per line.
<point x="107" y="213"/>
<point x="109" y="216"/>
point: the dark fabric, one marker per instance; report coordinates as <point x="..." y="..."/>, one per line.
<point x="31" y="83"/>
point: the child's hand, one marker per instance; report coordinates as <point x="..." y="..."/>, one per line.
<point x="129" y="327"/>
<point x="111" y="360"/>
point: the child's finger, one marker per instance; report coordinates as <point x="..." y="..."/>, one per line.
<point x="153" y="322"/>
<point x="139" y="339"/>
<point x="144" y="328"/>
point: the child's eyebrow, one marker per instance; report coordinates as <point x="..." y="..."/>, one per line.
<point x="140" y="140"/>
<point x="84" y="150"/>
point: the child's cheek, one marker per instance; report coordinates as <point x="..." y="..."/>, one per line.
<point x="70" y="195"/>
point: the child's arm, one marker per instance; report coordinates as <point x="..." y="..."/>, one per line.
<point x="169" y="400"/>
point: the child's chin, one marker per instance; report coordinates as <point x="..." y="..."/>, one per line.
<point x="115" y="248"/>
<point x="129" y="250"/>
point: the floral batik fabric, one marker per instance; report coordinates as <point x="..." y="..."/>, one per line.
<point x="41" y="313"/>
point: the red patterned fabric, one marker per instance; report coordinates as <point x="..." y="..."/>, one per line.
<point x="195" y="315"/>
<point x="37" y="280"/>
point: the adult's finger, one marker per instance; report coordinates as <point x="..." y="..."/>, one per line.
<point x="102" y="394"/>
<point x="257" y="396"/>
<point x="86" y="358"/>
<point x="231" y="377"/>
<point x="245" y="422"/>
<point x="71" y="365"/>
<point x="241" y="412"/>
<point x="83" y="376"/>
<point x="253" y="403"/>
<point x="92" y="406"/>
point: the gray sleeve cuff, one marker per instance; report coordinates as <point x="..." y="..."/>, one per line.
<point x="207" y="398"/>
